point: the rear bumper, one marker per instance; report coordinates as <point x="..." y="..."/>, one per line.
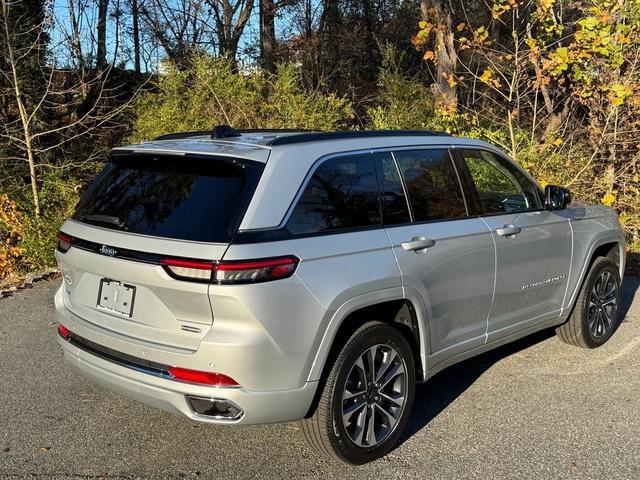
<point x="171" y="396"/>
<point x="258" y="406"/>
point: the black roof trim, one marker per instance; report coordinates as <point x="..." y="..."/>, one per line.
<point x="200" y="133"/>
<point x="319" y="136"/>
<point x="178" y="135"/>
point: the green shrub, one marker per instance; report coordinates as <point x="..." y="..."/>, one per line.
<point x="213" y="93"/>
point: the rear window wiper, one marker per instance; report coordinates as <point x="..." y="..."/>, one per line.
<point x="105" y="219"/>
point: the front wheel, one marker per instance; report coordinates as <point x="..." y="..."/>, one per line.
<point x="367" y="398"/>
<point x="595" y="315"/>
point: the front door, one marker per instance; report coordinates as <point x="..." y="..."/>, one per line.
<point x="533" y="245"/>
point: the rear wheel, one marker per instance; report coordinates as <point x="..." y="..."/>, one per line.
<point x="595" y="316"/>
<point x="366" y="400"/>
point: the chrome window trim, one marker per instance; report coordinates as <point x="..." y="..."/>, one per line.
<point x="347" y="153"/>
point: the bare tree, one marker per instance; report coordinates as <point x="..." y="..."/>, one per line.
<point x="180" y="28"/>
<point x="267" y="34"/>
<point x="101" y="55"/>
<point x="135" y="19"/>
<point x="231" y="17"/>
<point x="55" y="114"/>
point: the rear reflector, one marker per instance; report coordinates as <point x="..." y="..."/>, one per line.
<point x="64" y="242"/>
<point x="232" y="271"/>
<point x="204" y="378"/>
<point x="63" y="331"/>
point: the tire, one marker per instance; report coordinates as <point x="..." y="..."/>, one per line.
<point x="349" y="440"/>
<point x="595" y="314"/>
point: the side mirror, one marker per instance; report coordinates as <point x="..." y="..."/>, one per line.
<point x="556" y="198"/>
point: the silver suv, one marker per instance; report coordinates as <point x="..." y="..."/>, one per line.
<point x="251" y="277"/>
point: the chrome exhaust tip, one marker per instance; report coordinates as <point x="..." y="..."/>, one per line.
<point x="214" y="408"/>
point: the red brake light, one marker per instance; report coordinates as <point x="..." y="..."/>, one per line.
<point x="63" y="331"/>
<point x="183" y="269"/>
<point x="231" y="271"/>
<point x="204" y="378"/>
<point x="64" y="242"/>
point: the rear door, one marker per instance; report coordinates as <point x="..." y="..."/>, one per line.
<point x="445" y="256"/>
<point x="533" y="245"/>
<point x="135" y="235"/>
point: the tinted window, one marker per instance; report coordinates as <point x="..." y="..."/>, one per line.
<point x="174" y="197"/>
<point x="501" y="188"/>
<point x="432" y="184"/>
<point x="394" y="203"/>
<point x="342" y="193"/>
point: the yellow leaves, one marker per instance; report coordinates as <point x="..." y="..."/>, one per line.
<point x="10" y="235"/>
<point x="460" y="26"/>
<point x="497" y="10"/>
<point x="451" y="80"/>
<point x="488" y="78"/>
<point x="480" y="35"/>
<point x="608" y="199"/>
<point x="544" y="182"/>
<point x="618" y="93"/>
<point x="557" y="142"/>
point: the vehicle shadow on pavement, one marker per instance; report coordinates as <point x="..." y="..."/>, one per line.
<point x="440" y="391"/>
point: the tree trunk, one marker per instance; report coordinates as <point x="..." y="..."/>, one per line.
<point x="101" y="55"/>
<point x="446" y="58"/>
<point x="22" y="109"/>
<point x="267" y="34"/>
<point x="135" y="14"/>
<point x="330" y="32"/>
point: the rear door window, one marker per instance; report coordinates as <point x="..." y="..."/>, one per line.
<point x="197" y="199"/>
<point x="341" y="194"/>
<point x="432" y="184"/>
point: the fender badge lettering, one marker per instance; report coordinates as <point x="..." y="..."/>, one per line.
<point x="544" y="282"/>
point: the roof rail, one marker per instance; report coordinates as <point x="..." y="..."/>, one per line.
<point x="319" y="136"/>
<point x="178" y="135"/>
<point x="199" y="133"/>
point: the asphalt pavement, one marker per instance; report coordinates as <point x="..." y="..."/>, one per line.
<point x="534" y="409"/>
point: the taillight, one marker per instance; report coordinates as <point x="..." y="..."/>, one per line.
<point x="203" y="378"/>
<point x="64" y="242"/>
<point x="195" y="270"/>
<point x="252" y="271"/>
<point x="231" y="271"/>
<point x="63" y="331"/>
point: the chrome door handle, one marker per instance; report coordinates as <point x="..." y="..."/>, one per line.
<point x="508" y="230"/>
<point x="418" y="243"/>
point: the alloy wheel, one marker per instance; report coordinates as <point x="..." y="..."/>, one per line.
<point x="374" y="395"/>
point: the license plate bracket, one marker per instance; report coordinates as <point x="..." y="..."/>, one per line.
<point x="116" y="297"/>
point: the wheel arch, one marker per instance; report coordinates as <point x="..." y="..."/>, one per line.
<point x="390" y="306"/>
<point x="607" y="246"/>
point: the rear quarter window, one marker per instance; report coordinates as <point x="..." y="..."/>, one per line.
<point x="197" y="199"/>
<point x="341" y="194"/>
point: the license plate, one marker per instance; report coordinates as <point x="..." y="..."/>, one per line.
<point x="116" y="297"/>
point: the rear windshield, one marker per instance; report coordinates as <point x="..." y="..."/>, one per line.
<point x="199" y="199"/>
